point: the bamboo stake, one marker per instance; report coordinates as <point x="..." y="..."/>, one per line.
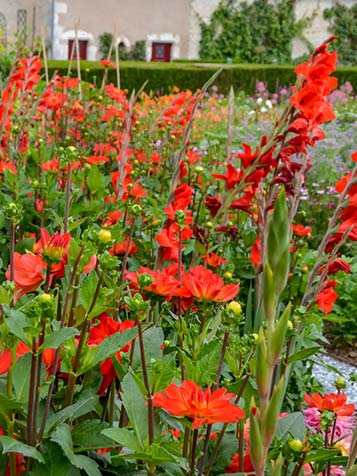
<point x="105" y="75"/>
<point x="117" y="59"/>
<point x="78" y="60"/>
<point x="44" y="53"/>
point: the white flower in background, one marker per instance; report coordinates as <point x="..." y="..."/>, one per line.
<point x="268" y="104"/>
<point x="259" y="101"/>
<point x="263" y="110"/>
<point x="251" y="113"/>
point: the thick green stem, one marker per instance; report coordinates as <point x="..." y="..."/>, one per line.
<point x="146" y="383"/>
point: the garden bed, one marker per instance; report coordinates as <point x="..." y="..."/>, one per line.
<point x="167" y="265"/>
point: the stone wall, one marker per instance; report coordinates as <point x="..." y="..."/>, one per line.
<point x="135" y="20"/>
<point x="36" y="14"/>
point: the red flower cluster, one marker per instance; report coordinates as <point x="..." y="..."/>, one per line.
<point x="168" y="238"/>
<point x="105" y="328"/>
<point x="29" y="268"/>
<point x="201" y="406"/>
<point x="333" y="402"/>
<point x="199" y="283"/>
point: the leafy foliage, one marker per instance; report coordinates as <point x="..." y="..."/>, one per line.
<point x="343" y="23"/>
<point x="258" y="32"/>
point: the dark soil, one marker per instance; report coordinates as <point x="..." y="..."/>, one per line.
<point x="346" y="353"/>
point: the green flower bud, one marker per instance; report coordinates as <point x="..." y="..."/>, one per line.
<point x="145" y="280"/>
<point x="234" y="307"/>
<point x="45" y="298"/>
<point x="14" y="212"/>
<point x="296" y="445"/>
<point x="340" y="383"/>
<point x="137" y="304"/>
<point x="104" y="236"/>
<point x="136" y="210"/>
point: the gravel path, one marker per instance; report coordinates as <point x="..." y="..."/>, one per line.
<point x="323" y="371"/>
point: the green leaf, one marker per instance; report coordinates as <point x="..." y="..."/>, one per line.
<point x="293" y="424"/>
<point x="17" y="322"/>
<point x="321" y="455"/>
<point x="105" y="349"/>
<point x="4" y="296"/>
<point x="10" y="445"/>
<point x="95" y="180"/>
<point x="136" y="408"/>
<point x="62" y="436"/>
<point x="21" y="377"/>
<point x="82" y="407"/>
<point x="303" y="354"/>
<point x="87" y="290"/>
<point x="55" y="463"/>
<point x="57" y="338"/>
<point x="88" y="435"/>
<point x="153" y="339"/>
<point x="7" y="403"/>
<point x="123" y="437"/>
<point x="57" y="217"/>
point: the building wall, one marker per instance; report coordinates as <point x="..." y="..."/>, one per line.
<point x="315" y="34"/>
<point x="38" y="13"/>
<point x="318" y="32"/>
<point x="150" y="20"/>
<point x="175" y="21"/>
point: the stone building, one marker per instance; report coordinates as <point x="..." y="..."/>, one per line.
<point x="170" y="28"/>
<point x="25" y="19"/>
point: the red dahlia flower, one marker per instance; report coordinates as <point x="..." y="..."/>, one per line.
<point x="202" y="406"/>
<point x="107" y="327"/>
<point x="28" y="273"/>
<point x="208" y="286"/>
<point x="334" y="402"/>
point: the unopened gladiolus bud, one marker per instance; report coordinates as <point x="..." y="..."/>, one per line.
<point x="198" y="169"/>
<point x="304" y="268"/>
<point x="340" y="383"/>
<point x="180" y="218"/>
<point x="262" y="366"/>
<point x="234" y="307"/>
<point x="209" y="224"/>
<point x="35" y="184"/>
<point x="228" y="275"/>
<point x="256" y="443"/>
<point x="269" y="420"/>
<point x="277" y="338"/>
<point x="145" y="280"/>
<point x="296" y="445"/>
<point x="167" y="343"/>
<point x="290" y="326"/>
<point x="104" y="236"/>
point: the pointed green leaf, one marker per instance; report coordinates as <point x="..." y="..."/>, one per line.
<point x="57" y="338"/>
<point x="107" y="348"/>
<point x="123" y="437"/>
<point x="10" y="445"/>
<point x="136" y="408"/>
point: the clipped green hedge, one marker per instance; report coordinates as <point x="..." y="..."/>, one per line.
<point x="162" y="77"/>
